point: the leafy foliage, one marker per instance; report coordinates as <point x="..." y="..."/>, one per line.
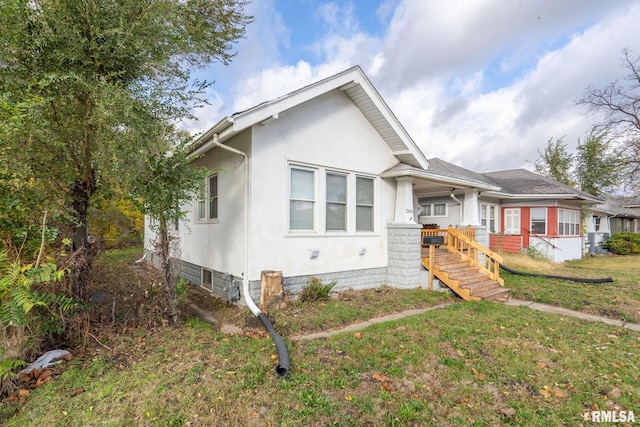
<point x="315" y="290"/>
<point x="623" y="243"/>
<point x="168" y="182"/>
<point x="598" y="165"/>
<point x="555" y="162"/>
<point x="88" y="88"/>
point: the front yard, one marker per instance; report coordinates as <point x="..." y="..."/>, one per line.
<point x="463" y="364"/>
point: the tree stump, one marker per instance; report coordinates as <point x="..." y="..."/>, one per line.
<point x="271" y="289"/>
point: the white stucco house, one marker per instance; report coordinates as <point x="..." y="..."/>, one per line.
<point x="321" y="182"/>
<point x="326" y="182"/>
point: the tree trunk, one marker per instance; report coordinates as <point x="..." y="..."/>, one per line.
<point x="83" y="253"/>
<point x="164" y="241"/>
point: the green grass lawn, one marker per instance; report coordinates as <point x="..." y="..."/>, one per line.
<point x="465" y="364"/>
<point x="617" y="300"/>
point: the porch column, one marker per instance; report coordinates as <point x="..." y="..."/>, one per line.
<point x="404" y="201"/>
<point x="403" y="255"/>
<point x="471" y="215"/>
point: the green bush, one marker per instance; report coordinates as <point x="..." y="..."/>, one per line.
<point x="315" y="290"/>
<point x="623" y="243"/>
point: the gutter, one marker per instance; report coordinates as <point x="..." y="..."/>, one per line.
<point x="283" y="355"/>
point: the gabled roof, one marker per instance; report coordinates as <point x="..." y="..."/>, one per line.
<point x="617" y="209"/>
<point x="521" y="183"/>
<point x="355" y="84"/>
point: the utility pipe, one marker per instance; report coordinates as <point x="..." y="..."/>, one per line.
<point x="283" y="355"/>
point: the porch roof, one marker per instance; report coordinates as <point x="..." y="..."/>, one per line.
<point x="434" y="178"/>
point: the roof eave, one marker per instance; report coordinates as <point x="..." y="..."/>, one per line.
<point x="416" y="173"/>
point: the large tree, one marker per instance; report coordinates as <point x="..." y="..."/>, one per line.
<point x="555" y="162"/>
<point x="88" y="86"/>
<point x="618" y="108"/>
<point x="598" y="165"/>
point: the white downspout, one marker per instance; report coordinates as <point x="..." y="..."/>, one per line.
<point x="245" y="280"/>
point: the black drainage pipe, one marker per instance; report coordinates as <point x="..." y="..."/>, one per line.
<point x="283" y="355"/>
<point x="550" y="276"/>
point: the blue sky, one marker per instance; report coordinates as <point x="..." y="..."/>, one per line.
<point x="483" y="84"/>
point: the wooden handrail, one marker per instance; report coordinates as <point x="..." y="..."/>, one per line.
<point x="478" y="255"/>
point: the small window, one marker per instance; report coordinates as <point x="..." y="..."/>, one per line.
<point x="336" y="202"/>
<point x="364" y="204"/>
<point x="213" y="196"/>
<point x="207" y="279"/>
<point x="302" y="199"/>
<point x="488" y="217"/>
<point x="436" y="209"/>
<point x="207" y="203"/>
<point x="539" y="221"/>
<point x="596" y="223"/>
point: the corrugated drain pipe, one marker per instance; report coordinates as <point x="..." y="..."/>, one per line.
<point x="283" y="355"/>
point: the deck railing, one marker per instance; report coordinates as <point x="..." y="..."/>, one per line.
<point x="469" y="232"/>
<point x="478" y="255"/>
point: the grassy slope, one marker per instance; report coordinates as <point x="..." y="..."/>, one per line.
<point x="467" y="364"/>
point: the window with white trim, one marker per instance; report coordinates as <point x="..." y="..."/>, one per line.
<point x="336" y="206"/>
<point x="488" y="216"/>
<point x="512" y="221"/>
<point x="539" y="221"/>
<point x="302" y="199"/>
<point x="568" y="222"/>
<point x="330" y="201"/>
<point x="596" y="223"/>
<point x="207" y="204"/>
<point x="434" y="209"/>
<point x="364" y="204"/>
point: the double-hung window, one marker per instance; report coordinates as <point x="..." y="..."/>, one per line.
<point x="330" y="201"/>
<point x="336" y="206"/>
<point x="364" y="204"/>
<point x="207" y="205"/>
<point x="539" y="221"/>
<point x="568" y="222"/>
<point x="488" y="216"/>
<point x="302" y="199"/>
<point x="435" y="209"/>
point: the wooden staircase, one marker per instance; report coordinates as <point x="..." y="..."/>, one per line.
<point x="468" y="281"/>
<point x="466" y="267"/>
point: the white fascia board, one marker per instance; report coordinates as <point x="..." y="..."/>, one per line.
<point x="414" y="173"/>
<point x="205" y="141"/>
<point x="395" y="124"/>
<point x="271" y="109"/>
<point x="561" y="196"/>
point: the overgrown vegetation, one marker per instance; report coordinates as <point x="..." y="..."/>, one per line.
<point x="315" y="290"/>
<point x="623" y="243"/>
<point x="507" y="365"/>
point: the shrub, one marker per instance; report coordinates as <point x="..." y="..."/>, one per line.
<point x="315" y="290"/>
<point x="623" y="243"/>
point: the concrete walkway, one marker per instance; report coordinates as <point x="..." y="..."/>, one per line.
<point x="571" y="313"/>
<point x="513" y="302"/>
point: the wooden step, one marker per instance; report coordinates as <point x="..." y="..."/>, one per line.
<point x="494" y="294"/>
<point x="477" y="288"/>
<point x="453" y="266"/>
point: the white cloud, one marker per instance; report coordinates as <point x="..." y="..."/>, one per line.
<point x="483" y="84"/>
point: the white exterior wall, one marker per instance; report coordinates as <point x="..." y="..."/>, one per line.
<point x="566" y="248"/>
<point x="328" y="132"/>
<point x="219" y="245"/>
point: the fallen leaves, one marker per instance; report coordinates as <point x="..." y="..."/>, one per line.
<point x="386" y="382"/>
<point x="478" y="375"/>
